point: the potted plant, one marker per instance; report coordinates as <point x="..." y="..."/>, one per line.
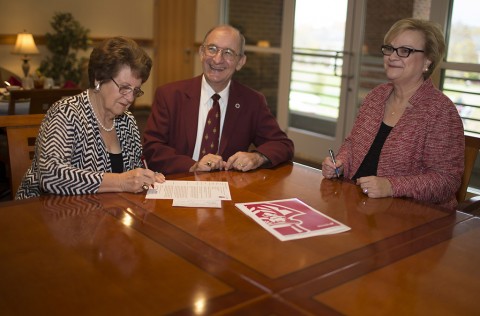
<point x="69" y="37"/>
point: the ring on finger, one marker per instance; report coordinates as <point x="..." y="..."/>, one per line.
<point x="145" y="186"/>
<point x="365" y="191"/>
<point x="209" y="163"/>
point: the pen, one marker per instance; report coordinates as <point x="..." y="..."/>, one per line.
<point x="332" y="155"/>
<point x="144" y="161"/>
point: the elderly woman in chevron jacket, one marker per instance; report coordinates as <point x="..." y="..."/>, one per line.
<point x="90" y="142"/>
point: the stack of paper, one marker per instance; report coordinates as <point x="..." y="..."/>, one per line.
<point x="192" y="193"/>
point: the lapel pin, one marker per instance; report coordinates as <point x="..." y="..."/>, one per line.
<point x="237" y="106"/>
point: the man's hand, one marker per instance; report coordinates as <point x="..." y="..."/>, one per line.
<point x="208" y="163"/>
<point x="245" y="161"/>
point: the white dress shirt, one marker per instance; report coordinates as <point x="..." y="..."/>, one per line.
<point x="206" y="103"/>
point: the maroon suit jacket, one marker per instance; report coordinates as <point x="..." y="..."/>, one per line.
<point x="171" y="130"/>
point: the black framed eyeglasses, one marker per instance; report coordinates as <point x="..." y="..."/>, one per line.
<point x="137" y="92"/>
<point x="212" y="51"/>
<point x="402" y="51"/>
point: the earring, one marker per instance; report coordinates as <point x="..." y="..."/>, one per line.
<point x="97" y="87"/>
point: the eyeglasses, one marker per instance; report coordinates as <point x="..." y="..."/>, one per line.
<point x="212" y="51"/>
<point x="402" y="51"/>
<point x="137" y="92"/>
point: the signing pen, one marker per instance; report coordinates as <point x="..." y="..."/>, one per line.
<point x="332" y="155"/>
<point x="144" y="161"/>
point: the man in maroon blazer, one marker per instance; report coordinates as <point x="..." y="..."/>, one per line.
<point x="249" y="134"/>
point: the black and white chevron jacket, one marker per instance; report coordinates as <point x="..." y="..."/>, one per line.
<point x="70" y="155"/>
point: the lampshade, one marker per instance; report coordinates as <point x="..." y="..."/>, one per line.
<point x="25" y="45"/>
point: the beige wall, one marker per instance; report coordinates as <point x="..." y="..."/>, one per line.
<point x="208" y="15"/>
<point x="104" y="18"/>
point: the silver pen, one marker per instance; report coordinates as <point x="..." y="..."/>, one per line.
<point x="332" y="155"/>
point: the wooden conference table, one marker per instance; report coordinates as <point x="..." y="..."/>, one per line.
<point x="121" y="254"/>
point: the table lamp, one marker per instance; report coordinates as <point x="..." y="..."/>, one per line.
<point x="25" y="45"/>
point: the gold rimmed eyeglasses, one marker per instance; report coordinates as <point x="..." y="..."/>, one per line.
<point x="137" y="92"/>
<point x="227" y="53"/>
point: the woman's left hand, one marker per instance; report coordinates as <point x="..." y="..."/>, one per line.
<point x="375" y="187"/>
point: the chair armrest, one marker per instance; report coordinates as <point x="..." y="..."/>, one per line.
<point x="470" y="206"/>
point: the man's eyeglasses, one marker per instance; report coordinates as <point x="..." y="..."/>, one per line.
<point x="137" y="92"/>
<point x="402" y="51"/>
<point x="212" y="51"/>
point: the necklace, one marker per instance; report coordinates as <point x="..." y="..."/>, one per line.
<point x="391" y="108"/>
<point x="103" y="127"/>
<point x="98" y="121"/>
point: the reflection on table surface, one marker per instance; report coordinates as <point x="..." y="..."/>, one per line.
<point x="123" y="253"/>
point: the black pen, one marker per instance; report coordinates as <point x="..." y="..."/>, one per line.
<point x="332" y="155"/>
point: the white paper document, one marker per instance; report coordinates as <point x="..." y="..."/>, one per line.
<point x="190" y="191"/>
<point x="197" y="203"/>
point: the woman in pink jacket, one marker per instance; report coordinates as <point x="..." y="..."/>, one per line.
<point x="408" y="137"/>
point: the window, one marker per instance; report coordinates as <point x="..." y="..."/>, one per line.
<point x="317" y="62"/>
<point x="461" y="73"/>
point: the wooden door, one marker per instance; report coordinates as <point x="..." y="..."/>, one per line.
<point x="174" y="37"/>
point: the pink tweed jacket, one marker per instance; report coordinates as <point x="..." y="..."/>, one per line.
<point x="423" y="155"/>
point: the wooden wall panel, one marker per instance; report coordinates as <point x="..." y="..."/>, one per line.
<point x="174" y="36"/>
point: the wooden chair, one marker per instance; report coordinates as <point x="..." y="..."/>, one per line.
<point x="472" y="146"/>
<point x="40" y="99"/>
<point x="21" y="132"/>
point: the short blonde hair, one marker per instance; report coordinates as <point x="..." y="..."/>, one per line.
<point x="434" y="39"/>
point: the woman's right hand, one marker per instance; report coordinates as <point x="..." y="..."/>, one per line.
<point x="136" y="180"/>
<point x="328" y="168"/>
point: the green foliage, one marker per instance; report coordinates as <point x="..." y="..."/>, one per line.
<point x="64" y="44"/>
